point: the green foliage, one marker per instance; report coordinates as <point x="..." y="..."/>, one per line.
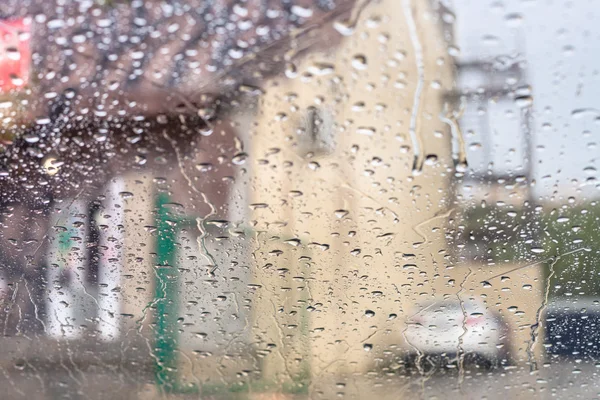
<point x="569" y="237"/>
<point x="572" y="237"/>
<point x="497" y="235"/>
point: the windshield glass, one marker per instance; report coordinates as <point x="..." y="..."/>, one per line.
<point x="299" y="199"/>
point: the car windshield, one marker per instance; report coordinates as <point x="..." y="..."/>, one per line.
<point x="299" y="199"/>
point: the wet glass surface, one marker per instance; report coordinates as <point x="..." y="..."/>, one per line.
<point x="304" y="199"/>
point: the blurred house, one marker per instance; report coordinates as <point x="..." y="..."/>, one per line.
<point x="351" y="181"/>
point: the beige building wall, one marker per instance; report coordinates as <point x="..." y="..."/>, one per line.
<point x="373" y="225"/>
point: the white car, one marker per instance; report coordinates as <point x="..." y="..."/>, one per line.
<point x="438" y="333"/>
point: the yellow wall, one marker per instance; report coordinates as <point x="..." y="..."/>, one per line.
<point x="393" y="218"/>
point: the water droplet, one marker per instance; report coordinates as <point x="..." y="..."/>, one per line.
<point x="359" y="62"/>
<point x="341" y="213"/>
<point x="303" y="12"/>
<point x="239" y="158"/>
<point x="31" y="138"/>
<point x="293" y="242"/>
<point x="12" y="53"/>
<point x="255" y="206"/>
<point x="513" y="20"/>
<point x="344" y="28"/>
<point x="20" y="364"/>
<point x="321" y="69"/>
<point x="250" y="90"/>
<point x="43" y="121"/>
<point x="291" y="71"/>
<point x="126" y="195"/>
<point x="366" y="130"/>
<point x="523" y="101"/>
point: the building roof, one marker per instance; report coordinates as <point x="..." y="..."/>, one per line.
<point x="152" y="57"/>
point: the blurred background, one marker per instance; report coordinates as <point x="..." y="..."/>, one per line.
<point x="264" y="199"/>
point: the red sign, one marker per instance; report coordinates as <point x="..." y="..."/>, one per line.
<point x="15" y="53"/>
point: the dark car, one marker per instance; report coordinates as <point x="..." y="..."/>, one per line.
<point x="573" y="329"/>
